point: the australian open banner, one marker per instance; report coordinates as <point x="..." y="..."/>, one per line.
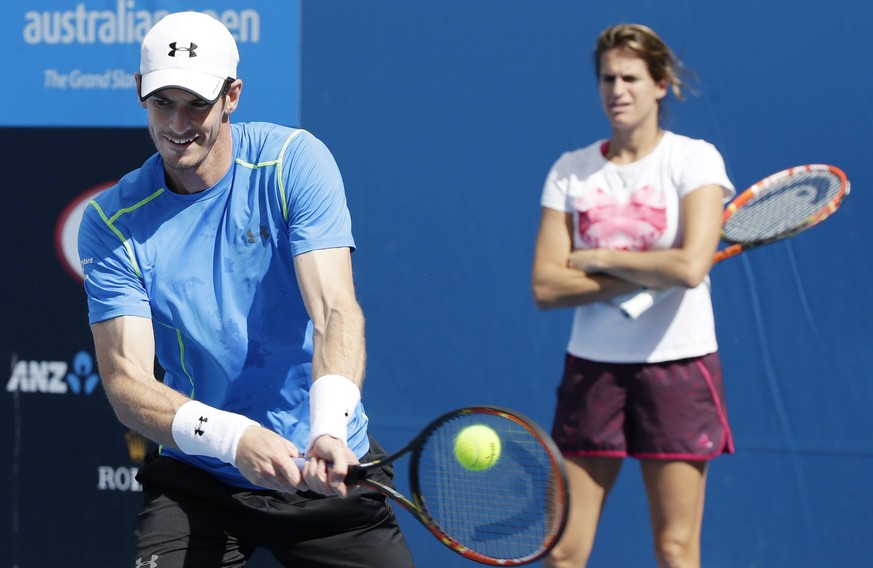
<point x="73" y="62"/>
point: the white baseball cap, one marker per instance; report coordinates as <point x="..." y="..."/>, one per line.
<point x="188" y="50"/>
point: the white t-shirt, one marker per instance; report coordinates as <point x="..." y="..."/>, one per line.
<point x="636" y="207"/>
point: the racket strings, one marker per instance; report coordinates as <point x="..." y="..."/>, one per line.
<point x="510" y="510"/>
<point x="786" y="206"/>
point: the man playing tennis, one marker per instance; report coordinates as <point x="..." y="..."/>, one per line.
<point x="227" y="257"/>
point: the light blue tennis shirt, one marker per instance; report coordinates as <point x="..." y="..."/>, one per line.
<point x="214" y="271"/>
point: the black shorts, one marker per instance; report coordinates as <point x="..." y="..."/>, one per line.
<point x="192" y="520"/>
<point x="673" y="410"/>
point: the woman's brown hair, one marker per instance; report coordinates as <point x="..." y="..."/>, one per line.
<point x="660" y="60"/>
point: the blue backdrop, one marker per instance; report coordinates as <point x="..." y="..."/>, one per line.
<point x="444" y="118"/>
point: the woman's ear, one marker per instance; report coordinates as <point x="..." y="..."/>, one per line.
<point x="661" y="91"/>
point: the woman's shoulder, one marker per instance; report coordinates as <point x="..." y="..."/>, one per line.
<point x="590" y="156"/>
<point x="683" y="146"/>
<point x="684" y="141"/>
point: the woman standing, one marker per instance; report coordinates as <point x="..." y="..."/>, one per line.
<point x="640" y="209"/>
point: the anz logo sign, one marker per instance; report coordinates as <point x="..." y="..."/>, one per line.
<point x="55" y="377"/>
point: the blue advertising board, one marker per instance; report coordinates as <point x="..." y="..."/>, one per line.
<point x="73" y="62"/>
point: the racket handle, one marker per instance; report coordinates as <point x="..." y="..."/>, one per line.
<point x="354" y="475"/>
<point x="640" y="304"/>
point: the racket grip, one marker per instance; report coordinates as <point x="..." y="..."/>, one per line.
<point x="636" y="306"/>
<point x="354" y="475"/>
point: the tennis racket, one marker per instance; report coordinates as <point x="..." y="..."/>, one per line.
<point x="509" y="514"/>
<point x="777" y="207"/>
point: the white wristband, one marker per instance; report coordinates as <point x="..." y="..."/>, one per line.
<point x="201" y="430"/>
<point x="332" y="401"/>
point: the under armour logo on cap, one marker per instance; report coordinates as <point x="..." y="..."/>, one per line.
<point x="212" y="56"/>
<point x="190" y="49"/>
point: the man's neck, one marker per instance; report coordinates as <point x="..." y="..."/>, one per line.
<point x="206" y="174"/>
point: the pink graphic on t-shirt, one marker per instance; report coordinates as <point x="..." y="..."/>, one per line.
<point x="635" y="225"/>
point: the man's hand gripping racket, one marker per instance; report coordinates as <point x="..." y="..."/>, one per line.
<point x="777" y="207"/>
<point x="504" y="507"/>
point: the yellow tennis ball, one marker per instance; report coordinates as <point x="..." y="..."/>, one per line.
<point x="477" y="447"/>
